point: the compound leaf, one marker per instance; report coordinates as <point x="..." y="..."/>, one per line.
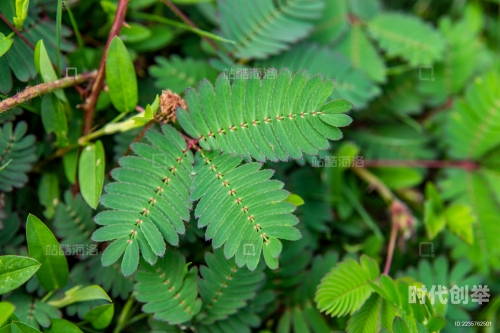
<point x="149" y="200"/>
<point x="241" y="207"/>
<point x="169" y="290"/>
<point x="414" y="40"/>
<point x="270" y="119"/>
<point x="269" y="28"/>
<point x="345" y="288"/>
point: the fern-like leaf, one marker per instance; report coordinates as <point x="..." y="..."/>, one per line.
<point x="480" y="191"/>
<point x="244" y="320"/>
<point x="474" y="124"/>
<point x="177" y="74"/>
<point x="225" y="288"/>
<point x="275" y="118"/>
<point x="350" y="83"/>
<point x="345" y="288"/>
<point x="332" y="24"/>
<point x="396" y="293"/>
<point x="268" y="28"/>
<point x="414" y="40"/>
<point x="168" y="289"/>
<point x="149" y="200"/>
<point x="12" y="113"/>
<point x="15" y="146"/>
<point x="301" y="315"/>
<point x="33" y="312"/>
<point x="20" y="56"/>
<point x="242" y="207"/>
<point x="439" y="273"/>
<point x="359" y="49"/>
<point x="459" y="63"/>
<point x="375" y="314"/>
<point x="73" y="220"/>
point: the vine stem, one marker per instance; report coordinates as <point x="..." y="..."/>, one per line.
<point x="47" y="296"/>
<point x="183" y="17"/>
<point x="466" y="165"/>
<point x="448" y="104"/>
<point x="375" y="183"/>
<point x="124" y="315"/>
<point x="32" y="92"/>
<point x="392" y="245"/>
<point x="90" y="102"/>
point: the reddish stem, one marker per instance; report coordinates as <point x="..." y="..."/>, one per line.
<point x="390" y="250"/>
<point x="16" y="31"/>
<point x="90" y="102"/>
<point x="191" y="143"/>
<point x="445" y="106"/>
<point x="466" y="165"/>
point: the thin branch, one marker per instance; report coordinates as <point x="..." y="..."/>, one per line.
<point x="445" y="106"/>
<point x="401" y="217"/>
<point x="191" y="143"/>
<point x="466" y="165"/>
<point x="90" y="102"/>
<point x="375" y="183"/>
<point x="38" y="90"/>
<point x="17" y="32"/>
<point x="188" y="21"/>
<point x="390" y="250"/>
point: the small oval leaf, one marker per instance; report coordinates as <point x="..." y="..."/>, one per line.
<point x="15" y="270"/>
<point x="100" y="317"/>
<point x="91" y="173"/>
<point x="43" y="246"/>
<point x="120" y="77"/>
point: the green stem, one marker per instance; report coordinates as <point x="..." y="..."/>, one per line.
<point x="376" y="183"/>
<point x="124" y="316"/>
<point x="93" y="135"/>
<point x="363" y="213"/>
<point x="82" y="141"/>
<point x="399" y="69"/>
<point x="47" y="296"/>
<point x="137" y="318"/>
<point x="58" y="36"/>
<point x="78" y="36"/>
<point x="159" y="19"/>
